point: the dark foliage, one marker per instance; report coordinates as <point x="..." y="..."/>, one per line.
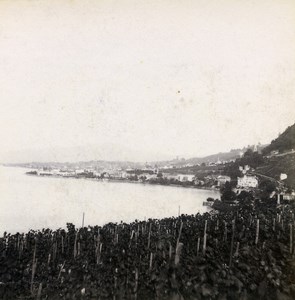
<point x="139" y="260"/>
<point x="285" y="141"/>
<point x="227" y="193"/>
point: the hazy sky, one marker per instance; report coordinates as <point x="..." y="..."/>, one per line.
<point x="143" y="80"/>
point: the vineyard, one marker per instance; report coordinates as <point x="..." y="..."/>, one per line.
<point x="243" y="254"/>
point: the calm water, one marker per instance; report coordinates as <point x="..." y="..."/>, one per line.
<point x="31" y="202"/>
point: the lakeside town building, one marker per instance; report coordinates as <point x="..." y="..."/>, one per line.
<point x="222" y="179"/>
<point x="247" y="181"/>
<point x="185" y="177"/>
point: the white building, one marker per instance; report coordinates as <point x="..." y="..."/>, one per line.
<point x="219" y="162"/>
<point x="79" y="171"/>
<point x="283" y="176"/>
<point x="198" y="181"/>
<point x="185" y="177"/>
<point x="247" y="181"/>
<point x="55" y="172"/>
<point x="44" y="173"/>
<point x="170" y="176"/>
<point x="222" y="179"/>
<point x="149" y="176"/>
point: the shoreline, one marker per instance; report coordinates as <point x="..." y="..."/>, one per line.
<point x="58" y="201"/>
<point x="126" y="181"/>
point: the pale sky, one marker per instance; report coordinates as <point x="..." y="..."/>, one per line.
<point x="143" y="80"/>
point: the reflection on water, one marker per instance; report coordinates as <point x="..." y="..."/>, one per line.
<point x="31" y="202"/>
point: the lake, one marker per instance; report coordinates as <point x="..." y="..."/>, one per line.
<point x="32" y="202"/>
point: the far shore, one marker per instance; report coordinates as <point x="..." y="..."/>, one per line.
<point x="128" y="181"/>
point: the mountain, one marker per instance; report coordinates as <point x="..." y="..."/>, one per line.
<point x="224" y="156"/>
<point x="107" y="152"/>
<point x="213" y="158"/>
<point x="276" y="165"/>
<point x="279" y="157"/>
<point x="271" y="164"/>
<point x="283" y="143"/>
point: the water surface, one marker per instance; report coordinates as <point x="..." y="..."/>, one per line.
<point x="32" y="202"/>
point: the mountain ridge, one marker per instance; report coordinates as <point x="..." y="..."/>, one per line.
<point x="283" y="143"/>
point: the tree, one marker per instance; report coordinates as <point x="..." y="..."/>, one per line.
<point x="253" y="159"/>
<point x="227" y="193"/>
<point x="244" y="195"/>
<point x="267" y="186"/>
<point x="245" y="199"/>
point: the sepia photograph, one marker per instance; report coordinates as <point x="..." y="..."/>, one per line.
<point x="148" y="149"/>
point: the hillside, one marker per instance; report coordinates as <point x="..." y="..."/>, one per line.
<point x="285" y="142"/>
<point x="276" y="165"/>
<point x="221" y="156"/>
<point x="270" y="164"/>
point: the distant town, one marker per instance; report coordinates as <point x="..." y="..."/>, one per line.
<point x="263" y="170"/>
<point x="241" y="173"/>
